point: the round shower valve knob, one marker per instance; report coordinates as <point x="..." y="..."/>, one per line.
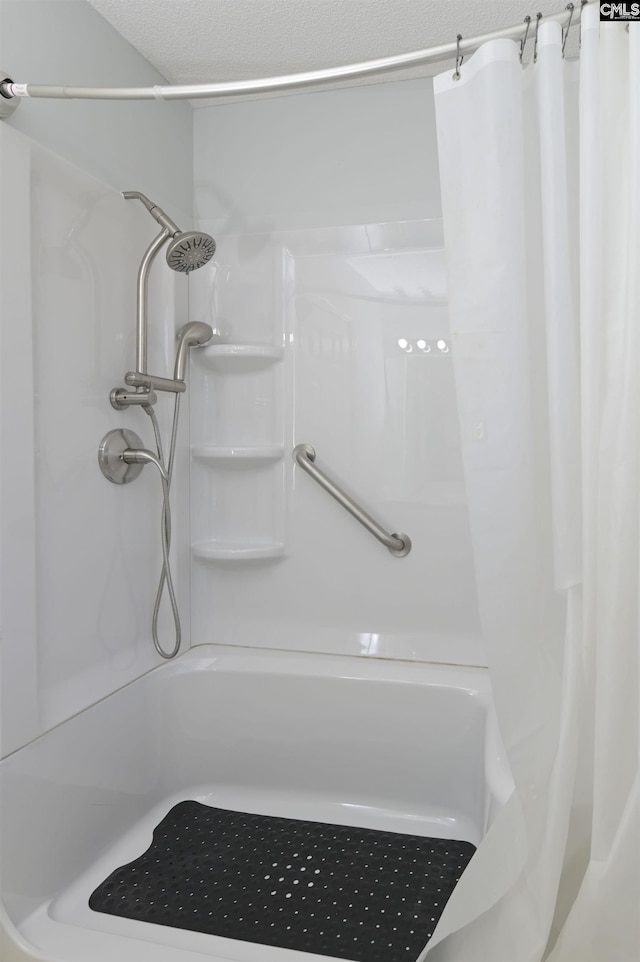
<point x="110" y="455"/>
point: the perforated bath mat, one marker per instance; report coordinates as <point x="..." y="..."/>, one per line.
<point x="334" y="890"/>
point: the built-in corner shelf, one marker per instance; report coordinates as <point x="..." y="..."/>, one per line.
<point x="239" y="357"/>
<point x="237" y="457"/>
<point x="245" y="475"/>
<point x="215" y="551"/>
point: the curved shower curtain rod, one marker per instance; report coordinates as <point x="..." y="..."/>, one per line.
<point x="458" y="48"/>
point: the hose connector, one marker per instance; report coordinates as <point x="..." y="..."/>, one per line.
<point x="143" y="456"/>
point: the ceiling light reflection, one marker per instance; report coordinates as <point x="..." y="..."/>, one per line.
<point x="423" y="345"/>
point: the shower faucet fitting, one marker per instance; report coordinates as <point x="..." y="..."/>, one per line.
<point x="122" y="455"/>
<point x="156" y="212"/>
<point x="186" y="252"/>
<point x="121" y="399"/>
<point x="190" y="335"/>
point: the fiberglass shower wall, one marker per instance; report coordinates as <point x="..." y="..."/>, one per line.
<point x="79" y="557"/>
<point x="328" y="298"/>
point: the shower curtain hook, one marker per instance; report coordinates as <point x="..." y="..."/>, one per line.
<point x="459" y="59"/>
<point x="527" y="20"/>
<point x="570" y="8"/>
<point x="583" y="4"/>
<point x="535" y="42"/>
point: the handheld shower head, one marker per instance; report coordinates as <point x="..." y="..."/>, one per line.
<point x="194" y="334"/>
<point x="190" y="250"/>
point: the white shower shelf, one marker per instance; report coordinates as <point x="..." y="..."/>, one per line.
<point x="239" y="357"/>
<point x="237" y="457"/>
<point x="237" y="550"/>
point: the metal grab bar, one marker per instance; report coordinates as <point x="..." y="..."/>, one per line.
<point x="399" y="544"/>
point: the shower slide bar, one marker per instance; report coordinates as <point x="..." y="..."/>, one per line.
<point x="10" y="92"/>
<point x="398" y="543"/>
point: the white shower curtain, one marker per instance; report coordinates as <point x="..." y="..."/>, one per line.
<point x="540" y="170"/>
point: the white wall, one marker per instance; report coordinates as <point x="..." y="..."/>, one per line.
<point x="356" y="156"/>
<point x="330" y="258"/>
<point x="132" y="144"/>
<point x="79" y="558"/>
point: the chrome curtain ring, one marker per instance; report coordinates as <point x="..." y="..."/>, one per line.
<point x="535" y="42"/>
<point x="459" y="59"/>
<point x="565" y="32"/>
<point x="527" y="20"/>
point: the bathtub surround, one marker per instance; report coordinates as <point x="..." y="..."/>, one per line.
<point x="329" y="302"/>
<point x="337" y="337"/>
<point x="74" y="612"/>
<point x="79" y="563"/>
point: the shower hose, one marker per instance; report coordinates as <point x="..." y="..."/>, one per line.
<point x="165" y="534"/>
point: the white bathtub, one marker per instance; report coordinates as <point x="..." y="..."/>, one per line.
<point x="379" y="744"/>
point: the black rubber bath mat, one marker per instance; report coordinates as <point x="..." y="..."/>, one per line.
<point x="334" y="890"/>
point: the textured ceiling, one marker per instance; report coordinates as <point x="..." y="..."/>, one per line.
<point x="199" y="41"/>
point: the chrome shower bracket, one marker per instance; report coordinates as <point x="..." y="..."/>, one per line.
<point x="122" y="457"/>
<point x="7" y="104"/>
<point x="121" y="399"/>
